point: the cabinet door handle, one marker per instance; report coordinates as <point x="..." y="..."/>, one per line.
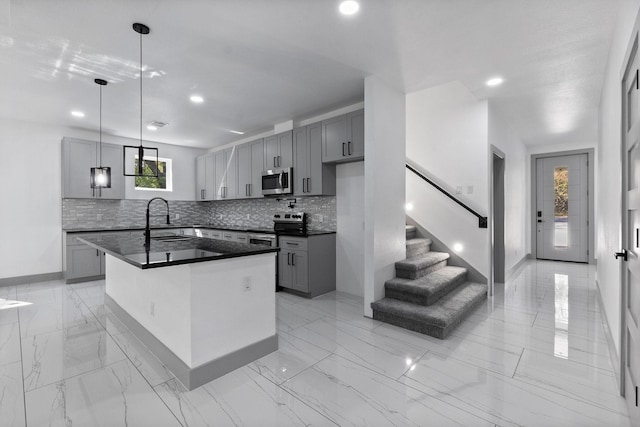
<point x="288" y="258"/>
<point x="274" y="161"/>
<point x="293" y="259"/>
<point x="349" y="147"/>
<point x="292" y="244"/>
<point x="250" y="189"/>
<point x="343" y="144"/>
<point x="308" y="185"/>
<point x="97" y="252"/>
<point x="279" y="162"/>
<point x="246" y="189"/>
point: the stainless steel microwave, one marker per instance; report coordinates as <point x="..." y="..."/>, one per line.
<point x="277" y="181"/>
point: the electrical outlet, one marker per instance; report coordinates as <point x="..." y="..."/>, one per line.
<point x="152" y="308"/>
<point x="177" y="216"/>
<point x="246" y="283"/>
<point x="99" y="217"/>
<point x="248" y="216"/>
<point x="469" y="189"/>
<point x="459" y="189"/>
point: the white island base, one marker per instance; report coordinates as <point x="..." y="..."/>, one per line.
<point x="202" y="320"/>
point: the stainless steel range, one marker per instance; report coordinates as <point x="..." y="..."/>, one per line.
<point x="290" y="223"/>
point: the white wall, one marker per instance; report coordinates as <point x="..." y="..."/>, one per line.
<point x="30" y="172"/>
<point x="384" y="187"/>
<point x="350" y="228"/>
<point x="447" y="131"/>
<point x="608" y="176"/>
<point x="516" y="192"/>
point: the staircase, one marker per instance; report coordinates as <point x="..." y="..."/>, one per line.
<point x="427" y="295"/>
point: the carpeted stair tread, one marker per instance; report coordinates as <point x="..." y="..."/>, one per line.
<point x="436" y="320"/>
<point x="410" y="231"/>
<point x="421" y="265"/>
<point x="428" y="289"/>
<point x="418" y="246"/>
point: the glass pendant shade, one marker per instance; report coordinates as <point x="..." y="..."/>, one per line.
<point x="101" y="177"/>
<point x="139" y="160"/>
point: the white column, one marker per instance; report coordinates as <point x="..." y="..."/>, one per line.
<point x="384" y="173"/>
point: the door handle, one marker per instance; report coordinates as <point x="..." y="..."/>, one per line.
<point x="246" y="189"/>
<point x="349" y="147"/>
<point x="623" y="255"/>
<point x="343" y="144"/>
<point x="308" y="185"/>
<point x="288" y="259"/>
<point x="304" y="182"/>
<point x="274" y="161"/>
<point x="279" y="162"/>
<point x="293" y="259"/>
<point x="540" y="220"/>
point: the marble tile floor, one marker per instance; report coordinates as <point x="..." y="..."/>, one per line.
<point x="533" y="355"/>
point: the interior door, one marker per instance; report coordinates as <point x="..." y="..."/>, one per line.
<point x="562" y="208"/>
<point x="631" y="236"/>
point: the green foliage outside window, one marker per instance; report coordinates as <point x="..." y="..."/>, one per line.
<point x="561" y="186"/>
<point x="149" y="168"/>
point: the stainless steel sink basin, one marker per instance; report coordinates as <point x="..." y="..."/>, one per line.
<point x="171" y="238"/>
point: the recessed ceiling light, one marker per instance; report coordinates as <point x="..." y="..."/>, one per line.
<point x="349" y="7"/>
<point x="196" y="99"/>
<point x="496" y="81"/>
<point x="237" y="132"/>
<point x="152" y="127"/>
<point x="155" y="125"/>
<point x="77" y="114"/>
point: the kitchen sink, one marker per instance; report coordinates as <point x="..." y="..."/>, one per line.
<point x="172" y="238"/>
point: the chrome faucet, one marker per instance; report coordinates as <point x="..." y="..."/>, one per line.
<point x="147" y="231"/>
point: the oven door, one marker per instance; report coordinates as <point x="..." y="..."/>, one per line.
<point x="276" y="181"/>
<point x="262" y="239"/>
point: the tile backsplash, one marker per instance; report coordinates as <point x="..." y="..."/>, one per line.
<point x="258" y="213"/>
<point x="249" y="213"/>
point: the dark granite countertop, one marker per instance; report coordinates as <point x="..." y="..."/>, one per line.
<point x="210" y="227"/>
<point x="308" y="233"/>
<point x="187" y="250"/>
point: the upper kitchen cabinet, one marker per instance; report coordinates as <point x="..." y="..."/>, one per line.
<point x="343" y="138"/>
<point x="78" y="157"/>
<point x="205" y="177"/>
<point x="250" y="166"/>
<point x="278" y="151"/>
<point x="226" y="174"/>
<point x="311" y="176"/>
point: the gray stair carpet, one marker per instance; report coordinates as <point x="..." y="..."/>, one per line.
<point x="427" y="289"/>
<point x="418" y="266"/>
<point x="436" y="320"/>
<point x="410" y="231"/>
<point x="417" y="247"/>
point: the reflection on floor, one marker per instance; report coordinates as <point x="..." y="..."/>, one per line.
<point x="534" y="355"/>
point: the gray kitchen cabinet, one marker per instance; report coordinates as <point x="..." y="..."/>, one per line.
<point x="307" y="266"/>
<point x="250" y="166"/>
<point x="78" y="157"/>
<point x="278" y="151"/>
<point x="205" y="177"/>
<point x="343" y="138"/>
<point x="226" y="174"/>
<point x="311" y="176"/>
<point x="82" y="262"/>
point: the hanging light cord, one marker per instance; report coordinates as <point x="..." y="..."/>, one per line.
<point x="140" y="91"/>
<point x="100" y="149"/>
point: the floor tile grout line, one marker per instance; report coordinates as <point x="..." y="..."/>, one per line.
<point x="24" y="392"/>
<point x="518" y="364"/>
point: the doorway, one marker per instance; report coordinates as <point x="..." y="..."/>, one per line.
<point x="562" y="208"/>
<point x="498" y="217"/>
<point x="630" y="251"/>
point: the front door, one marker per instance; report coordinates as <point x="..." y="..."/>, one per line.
<point x="631" y="236"/>
<point x="562" y="214"/>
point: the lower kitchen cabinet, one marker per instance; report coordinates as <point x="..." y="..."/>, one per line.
<point x="307" y="265"/>
<point x="84" y="263"/>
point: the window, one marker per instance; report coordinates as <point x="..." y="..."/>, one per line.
<point x="561" y="206"/>
<point x="164" y="181"/>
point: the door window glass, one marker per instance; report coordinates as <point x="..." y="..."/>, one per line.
<point x="561" y="206"/>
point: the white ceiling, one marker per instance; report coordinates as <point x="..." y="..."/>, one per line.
<point x="260" y="62"/>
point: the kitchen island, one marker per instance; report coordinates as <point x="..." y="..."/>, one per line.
<point x="204" y="307"/>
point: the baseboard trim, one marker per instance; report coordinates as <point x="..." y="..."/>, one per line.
<point x="33" y="278"/>
<point x="193" y="377"/>
<point x="613" y="353"/>
<point x="510" y="272"/>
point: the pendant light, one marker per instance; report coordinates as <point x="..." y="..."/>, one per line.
<point x="100" y="175"/>
<point x="147" y="157"/>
